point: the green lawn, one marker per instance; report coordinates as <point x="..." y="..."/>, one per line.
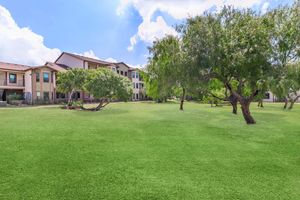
<point x="149" y="151"/>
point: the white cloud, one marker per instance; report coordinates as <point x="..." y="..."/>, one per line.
<point x="22" y="45"/>
<point x="178" y="9"/>
<point x="136" y="66"/>
<point x="91" y="54"/>
<point x="265" y="7"/>
<point x="149" y="31"/>
<point x="111" y="60"/>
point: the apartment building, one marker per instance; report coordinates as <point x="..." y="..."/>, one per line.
<point x="38" y="84"/>
<point x="76" y="61"/>
<point x="34" y="84"/>
<point x="138" y="85"/>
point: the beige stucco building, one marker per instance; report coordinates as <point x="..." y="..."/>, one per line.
<point x="34" y="84"/>
<point x="38" y="84"/>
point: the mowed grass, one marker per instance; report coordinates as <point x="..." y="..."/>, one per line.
<point x="149" y="151"/>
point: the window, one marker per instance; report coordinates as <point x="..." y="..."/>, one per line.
<point x="133" y="74"/>
<point x="76" y="95"/>
<point x="267" y="95"/>
<point x="46" y="77"/>
<point x="121" y="72"/>
<point x="12" y="78"/>
<point x="136" y="75"/>
<point x="46" y="96"/>
<point x="37" y="77"/>
<point x="125" y="73"/>
<point x="118" y="71"/>
<point x="60" y="95"/>
<point x="137" y="96"/>
<point x="137" y="85"/>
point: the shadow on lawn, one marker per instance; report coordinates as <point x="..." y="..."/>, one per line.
<point x="106" y="111"/>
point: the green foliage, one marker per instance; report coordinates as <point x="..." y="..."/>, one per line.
<point x="105" y="84"/>
<point x="14" y="97"/>
<point x="71" y="81"/>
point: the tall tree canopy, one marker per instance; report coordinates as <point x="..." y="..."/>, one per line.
<point x="234" y="47"/>
<point x="168" y="66"/>
<point x="285" y="41"/>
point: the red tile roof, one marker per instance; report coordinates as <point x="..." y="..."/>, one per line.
<point x="13" y="67"/>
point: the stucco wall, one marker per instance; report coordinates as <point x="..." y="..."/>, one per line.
<point x="28" y="82"/>
<point x="2" y="78"/>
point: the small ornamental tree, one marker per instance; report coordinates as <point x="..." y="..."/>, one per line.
<point x="70" y="82"/>
<point x="106" y="85"/>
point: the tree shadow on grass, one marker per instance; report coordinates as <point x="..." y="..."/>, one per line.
<point x="104" y="112"/>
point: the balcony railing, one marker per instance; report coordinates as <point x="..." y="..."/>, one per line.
<point x="19" y="83"/>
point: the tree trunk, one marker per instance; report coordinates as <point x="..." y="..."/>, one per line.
<point x="245" y="105"/>
<point x="233" y="101"/>
<point x="101" y="105"/>
<point x="260" y="103"/>
<point x="285" y="103"/>
<point x="234" y="107"/>
<point x="182" y="99"/>
<point x="70" y="98"/>
<point x="293" y="101"/>
<point x="292" y="104"/>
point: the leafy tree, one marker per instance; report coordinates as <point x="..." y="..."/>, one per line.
<point x="285" y="41"/>
<point x="106" y="85"/>
<point x="288" y="86"/>
<point x="155" y="87"/>
<point x="70" y="82"/>
<point x="169" y="65"/>
<point x="234" y="47"/>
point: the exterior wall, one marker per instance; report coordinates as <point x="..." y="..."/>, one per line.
<point x="138" y="86"/>
<point x="40" y="88"/>
<point x="2" y="77"/>
<point x="123" y="70"/>
<point x="271" y="98"/>
<point x="70" y="61"/>
<point x="28" y="86"/>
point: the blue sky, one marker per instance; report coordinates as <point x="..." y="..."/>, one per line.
<point x="115" y="29"/>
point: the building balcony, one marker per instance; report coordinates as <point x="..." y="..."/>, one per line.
<point x="6" y="84"/>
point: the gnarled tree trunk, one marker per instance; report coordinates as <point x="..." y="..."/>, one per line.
<point x="293" y="102"/>
<point x="245" y="106"/>
<point x="102" y="104"/>
<point x="285" y="103"/>
<point x="233" y="101"/>
<point x="182" y="99"/>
